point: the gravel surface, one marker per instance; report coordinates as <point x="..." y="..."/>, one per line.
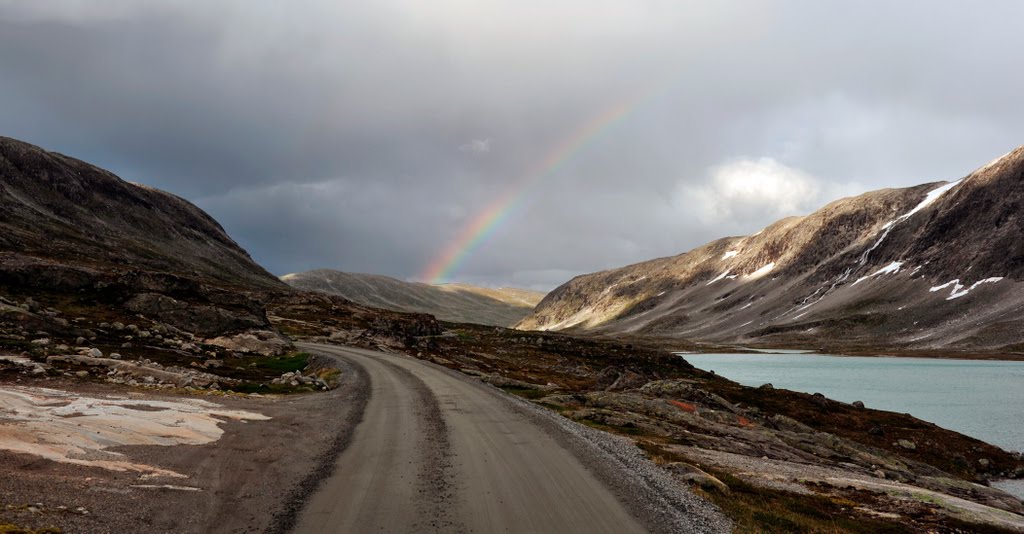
<point x="506" y="481"/>
<point x="284" y="520"/>
<point x="648" y="490"/>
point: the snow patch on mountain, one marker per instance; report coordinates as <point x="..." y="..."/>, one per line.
<point x="892" y="268"/>
<point x="719" y="277"/>
<point x="958" y="288"/>
<point x="929" y="199"/>
<point x="761" y="272"/>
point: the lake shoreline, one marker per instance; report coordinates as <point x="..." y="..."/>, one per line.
<point x="834" y="376"/>
<point x="936" y="354"/>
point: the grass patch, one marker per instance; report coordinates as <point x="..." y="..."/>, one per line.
<point x="280" y="365"/>
<point x="464" y="336"/>
<point x="270" y="389"/>
<point x="15" y="345"/>
<point x="272" y="367"/>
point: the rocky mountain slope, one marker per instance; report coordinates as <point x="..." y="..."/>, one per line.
<point x="82" y="250"/>
<point x="460" y="303"/>
<point x="936" y="266"/>
<point x="60" y="209"/>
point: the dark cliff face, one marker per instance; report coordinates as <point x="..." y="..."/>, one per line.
<point x="61" y="209"/>
<point x="74" y="234"/>
<point x="860" y="271"/>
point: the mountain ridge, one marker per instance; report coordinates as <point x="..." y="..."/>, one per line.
<point x="836" y="276"/>
<point x="454" y="302"/>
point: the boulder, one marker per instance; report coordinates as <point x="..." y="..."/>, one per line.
<point x="627" y="380"/>
<point x="262" y="342"/>
<point x="618" y="379"/>
<point x="906" y="444"/>
<point x="679" y="388"/>
<point x="695" y="475"/>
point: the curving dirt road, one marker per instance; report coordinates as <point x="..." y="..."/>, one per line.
<point x="439" y="452"/>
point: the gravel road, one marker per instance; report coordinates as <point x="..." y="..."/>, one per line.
<point x="437" y="451"/>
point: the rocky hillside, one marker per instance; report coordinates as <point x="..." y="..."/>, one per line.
<point x="460" y="303"/>
<point x="58" y="208"/>
<point x="76" y="237"/>
<point x="936" y="266"/>
<point x="105" y="280"/>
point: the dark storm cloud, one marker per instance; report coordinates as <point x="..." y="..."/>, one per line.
<point x="364" y="135"/>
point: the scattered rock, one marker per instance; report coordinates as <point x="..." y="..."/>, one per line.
<point x="678" y="388"/>
<point x="295" y="378"/>
<point x="693" y="474"/>
<point x="262" y="342"/>
<point x="906" y="444"/>
<point x="858" y="404"/>
<point x="627" y="380"/>
<point x="618" y="379"/>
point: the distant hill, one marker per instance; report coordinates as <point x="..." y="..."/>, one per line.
<point x="935" y="266"/>
<point x="461" y="303"/>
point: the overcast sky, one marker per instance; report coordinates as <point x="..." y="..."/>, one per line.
<point x="363" y="136"/>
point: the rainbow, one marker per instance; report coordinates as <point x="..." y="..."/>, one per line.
<point x="487" y="221"/>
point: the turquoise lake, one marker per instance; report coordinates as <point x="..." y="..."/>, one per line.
<point x="982" y="399"/>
